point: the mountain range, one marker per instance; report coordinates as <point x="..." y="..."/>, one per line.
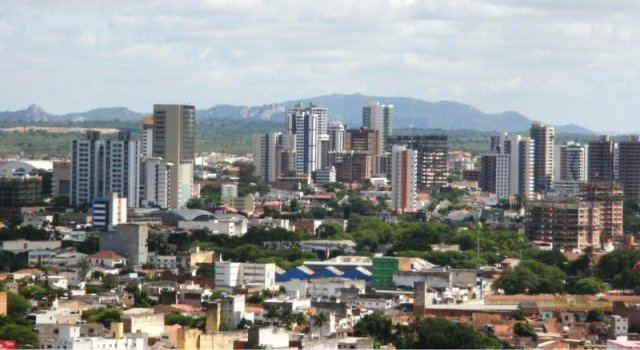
<point x="408" y="113"/>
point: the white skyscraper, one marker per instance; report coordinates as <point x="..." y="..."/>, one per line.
<point x="404" y="167"/>
<point x="100" y="167"/>
<point x="571" y="162"/>
<point x="526" y="166"/>
<point x="378" y="117"/>
<point x="337" y="131"/>
<point x="305" y="124"/>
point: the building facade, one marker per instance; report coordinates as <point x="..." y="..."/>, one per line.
<point x="544" y="138"/>
<point x="572" y="162"/>
<point x="304" y="124"/>
<point x="265" y="148"/>
<point x="129" y="240"/>
<point x="495" y="174"/>
<point x="174" y="142"/>
<point x="629" y="166"/>
<point x="100" y="167"/>
<point x="404" y="170"/>
<point x="432" y="152"/>
<point x="378" y="117"/>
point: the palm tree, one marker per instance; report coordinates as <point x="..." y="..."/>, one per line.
<point x="287" y="318"/>
<point x="320" y="320"/>
<point x="301" y="319"/>
<point x="272" y="312"/>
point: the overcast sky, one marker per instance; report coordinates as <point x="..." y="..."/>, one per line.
<point x="555" y="61"/>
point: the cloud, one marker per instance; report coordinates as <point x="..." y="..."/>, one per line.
<point x="544" y="58"/>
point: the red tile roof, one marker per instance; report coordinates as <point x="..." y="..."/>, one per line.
<point x="106" y="254"/>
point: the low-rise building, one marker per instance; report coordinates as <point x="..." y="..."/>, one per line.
<point x="145" y="322"/>
<point x="107" y="258"/>
<point x="231" y="274"/>
<point x="70" y="339"/>
<point x="22" y="245"/>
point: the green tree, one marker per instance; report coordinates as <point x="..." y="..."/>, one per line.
<point x="208" y="270"/>
<point x="244" y="324"/>
<point x="17" y="304"/>
<point x="616" y="262"/>
<point x="441" y="333"/>
<point x="24" y="336"/>
<point x="320" y="320"/>
<point x="195" y="203"/>
<point x="524" y="329"/>
<point x="595" y="315"/>
<point x="33" y="291"/>
<point x="628" y="278"/>
<point x="84" y="266"/>
<point x="110" y="281"/>
<point x="61" y="202"/>
<point x="587" y="285"/>
<point x="531" y="277"/>
<point x="375" y="325"/>
<point x="104" y="315"/>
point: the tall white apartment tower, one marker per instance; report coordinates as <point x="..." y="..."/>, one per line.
<point x="174" y="141"/>
<point x="404" y="170"/>
<point x="265" y="147"/>
<point x="305" y="124"/>
<point x="378" y="117"/>
<point x="337" y="131"/>
<point x="100" y="167"/>
<point x="544" y="138"/>
<point x="526" y="164"/>
<point x="571" y="162"/>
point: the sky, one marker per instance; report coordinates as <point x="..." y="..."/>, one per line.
<point x="554" y="61"/>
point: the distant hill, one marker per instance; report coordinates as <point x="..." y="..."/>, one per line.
<point x="35" y="113"/>
<point x="408" y="113"/>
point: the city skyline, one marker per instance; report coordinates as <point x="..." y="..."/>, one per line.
<point x="557" y="62"/>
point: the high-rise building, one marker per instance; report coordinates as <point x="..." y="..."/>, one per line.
<point x="100" y="167"/>
<point x="337" y="132"/>
<point x="156" y="189"/>
<point x="629" y="166"/>
<point x="363" y="140"/>
<point x="592" y="218"/>
<point x="378" y="117"/>
<point x="404" y="170"/>
<point x="564" y="223"/>
<point x="610" y="197"/>
<point x="265" y="147"/>
<point x="286" y="156"/>
<point x="174" y="141"/>
<point x="525" y="165"/>
<point x="571" y="162"/>
<point x="351" y="166"/>
<point x="602" y="155"/>
<point x="147" y="136"/>
<point x="495" y="174"/>
<point x="543" y="137"/>
<point x="432" y="158"/>
<point x="305" y="124"/>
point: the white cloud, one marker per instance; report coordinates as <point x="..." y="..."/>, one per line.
<point x="544" y="58"/>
